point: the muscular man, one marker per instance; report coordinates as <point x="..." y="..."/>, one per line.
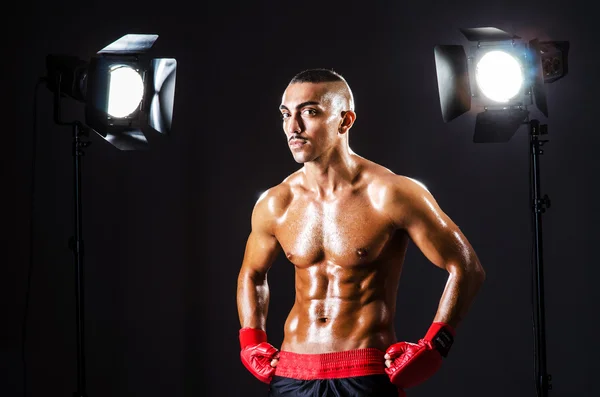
<point x="344" y="222"/>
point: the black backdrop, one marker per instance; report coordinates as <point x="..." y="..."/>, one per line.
<point x="165" y="229"/>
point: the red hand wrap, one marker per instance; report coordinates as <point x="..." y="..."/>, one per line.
<point x="412" y="364"/>
<point x="435" y="328"/>
<point x="257" y="354"/>
<point x="252" y="336"/>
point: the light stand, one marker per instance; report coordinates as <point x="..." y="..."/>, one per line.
<point x="76" y="241"/>
<point x="125" y="94"/>
<point x="539" y="206"/>
<point x="544" y="62"/>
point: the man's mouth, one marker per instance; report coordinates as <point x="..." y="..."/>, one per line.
<point x="296" y="142"/>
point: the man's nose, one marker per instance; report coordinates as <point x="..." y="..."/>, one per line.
<point x="293" y="125"/>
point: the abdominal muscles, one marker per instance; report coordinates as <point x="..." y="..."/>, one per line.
<point x="339" y="309"/>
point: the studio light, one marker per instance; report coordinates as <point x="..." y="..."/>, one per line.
<point x="124" y="92"/>
<point x="501" y="77"/>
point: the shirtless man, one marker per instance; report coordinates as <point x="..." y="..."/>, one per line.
<point x="345" y="223"/>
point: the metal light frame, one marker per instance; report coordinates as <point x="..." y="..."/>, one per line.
<point x="542" y="62"/>
<point x="459" y="93"/>
<point x="88" y="82"/>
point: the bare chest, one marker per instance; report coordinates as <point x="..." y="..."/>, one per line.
<point x="345" y="232"/>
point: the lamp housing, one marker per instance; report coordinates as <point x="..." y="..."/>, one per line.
<point x="460" y="88"/>
<point x="95" y="82"/>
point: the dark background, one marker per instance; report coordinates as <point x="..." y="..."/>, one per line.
<point x="165" y="229"/>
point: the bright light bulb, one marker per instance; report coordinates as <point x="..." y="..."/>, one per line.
<point x="499" y="76"/>
<point x="125" y="92"/>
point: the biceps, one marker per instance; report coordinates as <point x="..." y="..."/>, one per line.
<point x="440" y="240"/>
<point x="261" y="251"/>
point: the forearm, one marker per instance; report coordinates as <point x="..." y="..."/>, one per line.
<point x="460" y="291"/>
<point x="253" y="300"/>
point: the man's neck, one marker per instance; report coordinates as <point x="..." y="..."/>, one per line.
<point x="331" y="173"/>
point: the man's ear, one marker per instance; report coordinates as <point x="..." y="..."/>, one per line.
<point x="348" y="117"/>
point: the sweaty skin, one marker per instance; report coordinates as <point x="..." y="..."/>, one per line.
<point x="348" y="256"/>
<point x="344" y="222"/>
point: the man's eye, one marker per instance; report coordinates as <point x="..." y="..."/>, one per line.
<point x="310" y="112"/>
<point x="285" y="115"/>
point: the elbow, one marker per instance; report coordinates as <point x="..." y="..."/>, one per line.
<point x="479" y="271"/>
<point x="477" y="275"/>
<point x="482" y="274"/>
<point x="471" y="271"/>
<point x="249" y="275"/>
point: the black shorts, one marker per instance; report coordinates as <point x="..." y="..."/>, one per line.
<point x="354" y="373"/>
<point x="359" y="386"/>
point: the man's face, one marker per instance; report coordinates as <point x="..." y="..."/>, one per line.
<point x="312" y="114"/>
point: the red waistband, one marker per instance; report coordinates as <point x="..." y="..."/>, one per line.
<point x="344" y="364"/>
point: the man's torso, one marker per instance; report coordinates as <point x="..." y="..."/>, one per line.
<point x="348" y="257"/>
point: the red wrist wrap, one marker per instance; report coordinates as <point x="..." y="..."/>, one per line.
<point x="441" y="336"/>
<point x="435" y="328"/>
<point x="252" y="336"/>
<point x="344" y="364"/>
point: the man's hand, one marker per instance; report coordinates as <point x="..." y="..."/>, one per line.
<point x="410" y="364"/>
<point x="258" y="356"/>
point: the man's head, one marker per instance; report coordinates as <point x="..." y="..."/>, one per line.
<point x="339" y="85"/>
<point x="318" y="110"/>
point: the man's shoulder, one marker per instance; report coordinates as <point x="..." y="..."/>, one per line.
<point x="275" y="199"/>
<point x="380" y="176"/>
<point x="389" y="187"/>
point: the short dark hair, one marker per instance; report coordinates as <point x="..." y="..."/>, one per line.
<point x="325" y="76"/>
<point x="317" y="76"/>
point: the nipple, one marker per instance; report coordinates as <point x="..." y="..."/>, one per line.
<point x="362" y="252"/>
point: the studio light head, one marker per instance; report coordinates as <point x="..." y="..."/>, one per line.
<point x="124" y="91"/>
<point x="501" y="75"/>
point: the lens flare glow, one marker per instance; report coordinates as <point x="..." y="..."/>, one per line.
<point x="499" y="76"/>
<point x="125" y="92"/>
